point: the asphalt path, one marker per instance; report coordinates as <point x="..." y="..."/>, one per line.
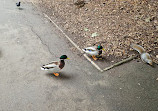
<point x="29" y="40"/>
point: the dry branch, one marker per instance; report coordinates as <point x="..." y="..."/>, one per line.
<point x="119" y="63"/>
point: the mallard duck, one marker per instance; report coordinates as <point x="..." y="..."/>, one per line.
<point x="94" y="51"/>
<point x="55" y="66"/>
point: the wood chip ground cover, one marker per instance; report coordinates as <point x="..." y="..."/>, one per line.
<point x="113" y="23"/>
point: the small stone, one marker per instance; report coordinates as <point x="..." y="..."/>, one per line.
<point x="86" y="9"/>
<point x="155" y="21"/>
<point x="156" y="27"/>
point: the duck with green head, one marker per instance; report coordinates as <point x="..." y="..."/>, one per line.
<point x="94" y="51"/>
<point x="55" y="66"/>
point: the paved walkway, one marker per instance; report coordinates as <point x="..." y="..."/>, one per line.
<point x="28" y="40"/>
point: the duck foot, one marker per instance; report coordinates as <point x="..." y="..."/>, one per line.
<point x="56" y="74"/>
<point x="99" y="57"/>
<point x="94" y="58"/>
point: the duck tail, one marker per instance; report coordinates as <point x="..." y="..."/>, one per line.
<point x="84" y="50"/>
<point x="43" y="68"/>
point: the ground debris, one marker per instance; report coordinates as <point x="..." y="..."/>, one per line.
<point x="117" y="23"/>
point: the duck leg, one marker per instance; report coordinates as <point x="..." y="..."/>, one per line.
<point x="94" y="57"/>
<point x="56" y="74"/>
<point x="99" y="57"/>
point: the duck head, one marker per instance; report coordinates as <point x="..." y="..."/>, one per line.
<point x="99" y="47"/>
<point x="64" y="57"/>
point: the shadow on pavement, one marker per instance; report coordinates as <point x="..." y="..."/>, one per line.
<point x="62" y="76"/>
<point x="21" y="8"/>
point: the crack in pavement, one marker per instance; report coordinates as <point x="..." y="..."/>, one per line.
<point x="29" y="24"/>
<point x="73" y="43"/>
<point x="32" y="29"/>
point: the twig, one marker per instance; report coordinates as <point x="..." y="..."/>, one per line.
<point x="119" y="63"/>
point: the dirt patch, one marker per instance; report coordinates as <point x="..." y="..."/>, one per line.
<point x="113" y="23"/>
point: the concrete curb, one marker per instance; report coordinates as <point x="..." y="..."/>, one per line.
<point x="73" y="43"/>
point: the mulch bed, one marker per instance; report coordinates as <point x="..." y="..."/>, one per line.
<point x="113" y="23"/>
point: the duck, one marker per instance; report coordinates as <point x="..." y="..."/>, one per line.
<point x="18" y="4"/>
<point x="94" y="51"/>
<point x="55" y="66"/>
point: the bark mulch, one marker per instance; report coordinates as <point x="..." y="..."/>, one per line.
<point x="113" y="23"/>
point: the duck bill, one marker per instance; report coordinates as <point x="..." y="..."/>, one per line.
<point x="68" y="58"/>
<point x="103" y="49"/>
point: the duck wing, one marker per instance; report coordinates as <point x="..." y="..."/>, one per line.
<point x="90" y="49"/>
<point x="54" y="62"/>
<point x="52" y="65"/>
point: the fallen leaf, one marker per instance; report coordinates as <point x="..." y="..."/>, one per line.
<point x="94" y="34"/>
<point x="85" y="29"/>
